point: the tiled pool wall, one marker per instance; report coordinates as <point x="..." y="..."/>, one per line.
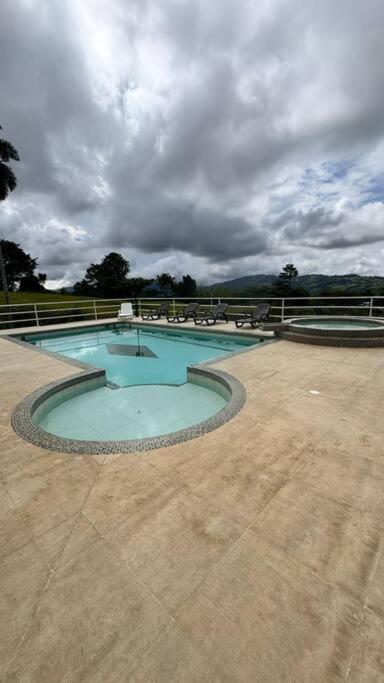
<point x="53" y="400"/>
<point x="204" y="379"/>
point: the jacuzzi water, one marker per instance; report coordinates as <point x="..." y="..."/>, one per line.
<point x="337" y="324"/>
<point x="148" y="368"/>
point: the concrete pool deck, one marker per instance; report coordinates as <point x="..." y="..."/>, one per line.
<point x="253" y="553"/>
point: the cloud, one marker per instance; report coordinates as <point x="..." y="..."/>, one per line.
<point x="218" y="138"/>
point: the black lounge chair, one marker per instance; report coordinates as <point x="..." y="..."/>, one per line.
<point x="158" y="312"/>
<point x="260" y="314"/>
<point x="211" y="317"/>
<point x="188" y="312"/>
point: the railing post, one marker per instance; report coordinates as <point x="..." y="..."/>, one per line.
<point x="94" y="308"/>
<point x="139" y="307"/>
<point x="282" y="309"/>
<point x="370" y="306"/>
<point x="36" y="315"/>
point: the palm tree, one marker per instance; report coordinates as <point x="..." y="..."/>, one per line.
<point x="8" y="183"/>
<point x="8" y="180"/>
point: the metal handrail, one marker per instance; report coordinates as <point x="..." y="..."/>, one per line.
<point x="81" y="302"/>
<point x="281" y="307"/>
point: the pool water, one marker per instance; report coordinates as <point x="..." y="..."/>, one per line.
<point x="158" y="357"/>
<point x="134" y="412"/>
<point x="337" y="324"/>
<point x="149" y="394"/>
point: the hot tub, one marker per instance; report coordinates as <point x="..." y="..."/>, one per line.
<point x="334" y="331"/>
<point x="337" y="324"/>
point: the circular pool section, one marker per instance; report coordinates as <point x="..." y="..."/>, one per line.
<point x="82" y="415"/>
<point x="335" y="323"/>
<point x="137" y="412"/>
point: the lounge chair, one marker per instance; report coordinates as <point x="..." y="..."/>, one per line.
<point x="211" y="317"/>
<point x="126" y="311"/>
<point x="259" y="315"/>
<point x="188" y="312"/>
<point x="157" y="313"/>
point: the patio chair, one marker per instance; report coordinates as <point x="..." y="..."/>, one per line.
<point x="259" y="315"/>
<point x="125" y="312"/>
<point x="157" y="313"/>
<point x="189" y="312"/>
<point x="211" y="317"/>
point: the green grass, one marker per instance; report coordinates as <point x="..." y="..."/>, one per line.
<point x="40" y="297"/>
<point x="68" y="308"/>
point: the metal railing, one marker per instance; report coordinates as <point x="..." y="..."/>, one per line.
<point x="48" y="313"/>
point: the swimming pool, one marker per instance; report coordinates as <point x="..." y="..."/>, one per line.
<point x="149" y="391"/>
<point x="140" y="355"/>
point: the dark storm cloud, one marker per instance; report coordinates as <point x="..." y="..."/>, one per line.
<point x="189" y="131"/>
<point x="184" y="227"/>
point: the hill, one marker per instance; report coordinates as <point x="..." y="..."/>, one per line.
<point x="241" y="283"/>
<point x="313" y="284"/>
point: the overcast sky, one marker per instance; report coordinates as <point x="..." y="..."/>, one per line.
<point x="215" y="137"/>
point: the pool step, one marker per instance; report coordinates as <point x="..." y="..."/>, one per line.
<point x="324" y="340"/>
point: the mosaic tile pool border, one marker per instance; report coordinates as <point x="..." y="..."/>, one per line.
<point x="22" y="416"/>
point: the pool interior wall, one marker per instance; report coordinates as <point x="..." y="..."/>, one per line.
<point x="153" y="396"/>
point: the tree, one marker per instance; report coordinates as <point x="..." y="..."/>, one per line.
<point x="166" y="283"/>
<point x="17" y="263"/>
<point x="288" y="273"/>
<point x="33" y="283"/>
<point x="42" y="277"/>
<point x="108" y="278"/>
<point x="80" y="288"/>
<point x="8" y="183"/>
<point x="8" y="179"/>
<point x="136" y="285"/>
<point x="187" y="286"/>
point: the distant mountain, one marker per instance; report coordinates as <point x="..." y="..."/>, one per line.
<point x="313" y="284"/>
<point x="245" y="282"/>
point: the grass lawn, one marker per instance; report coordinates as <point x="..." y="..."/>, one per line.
<point x="70" y="308"/>
<point x="41" y="297"/>
<point x="67" y="308"/>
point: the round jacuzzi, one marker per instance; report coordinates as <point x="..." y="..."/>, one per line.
<point x="334" y="331"/>
<point x="337" y="323"/>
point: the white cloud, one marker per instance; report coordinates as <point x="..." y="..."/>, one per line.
<point x="217" y="138"/>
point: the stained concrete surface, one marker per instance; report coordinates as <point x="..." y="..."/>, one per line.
<point x="254" y="553"/>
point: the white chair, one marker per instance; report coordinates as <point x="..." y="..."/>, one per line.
<point x="125" y="312"/>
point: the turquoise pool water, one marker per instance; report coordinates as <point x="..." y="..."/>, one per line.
<point x="159" y="357"/>
<point x="149" y="368"/>
<point x="136" y="412"/>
